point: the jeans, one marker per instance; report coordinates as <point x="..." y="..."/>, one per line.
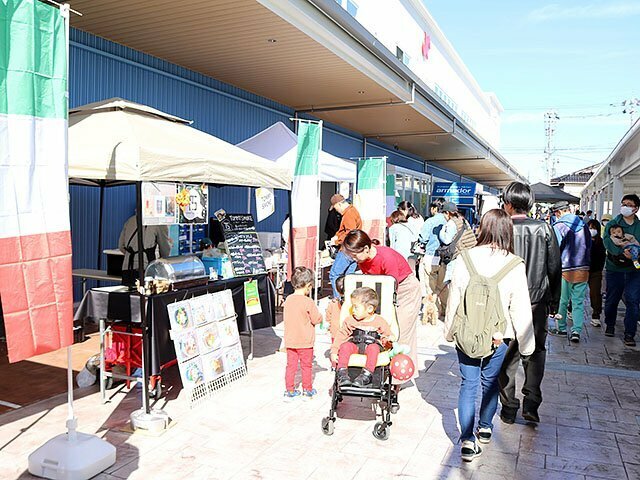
<point x="577" y="293"/>
<point x="343" y="264"/>
<point x="473" y="372"/>
<point x="305" y="357"/>
<point x="533" y="368"/>
<point x="619" y="283"/>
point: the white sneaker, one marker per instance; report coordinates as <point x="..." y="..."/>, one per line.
<point x="470" y="450"/>
<point x="483" y="435"/>
<point x="596" y="322"/>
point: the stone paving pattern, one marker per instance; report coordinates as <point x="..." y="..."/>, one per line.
<point x="590" y="424"/>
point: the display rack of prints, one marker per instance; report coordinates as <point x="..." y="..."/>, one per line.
<point x="242" y="243"/>
<point x="207" y="343"/>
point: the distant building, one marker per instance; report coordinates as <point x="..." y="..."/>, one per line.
<point x="573" y="183"/>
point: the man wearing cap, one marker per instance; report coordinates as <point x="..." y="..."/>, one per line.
<point x="343" y="264"/>
<point x="623" y="280"/>
<point x="575" y="252"/>
<point x="535" y="242"/>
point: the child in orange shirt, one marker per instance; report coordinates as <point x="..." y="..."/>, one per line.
<point x="300" y="318"/>
<point x="362" y="332"/>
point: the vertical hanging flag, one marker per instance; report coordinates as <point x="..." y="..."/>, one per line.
<point x="391" y="194"/>
<point x="305" y="197"/>
<point x="371" y="195"/>
<point x="35" y="240"/>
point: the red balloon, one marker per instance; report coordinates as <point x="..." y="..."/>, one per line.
<point x="401" y="367"/>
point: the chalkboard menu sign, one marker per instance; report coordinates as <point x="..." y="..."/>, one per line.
<point x="243" y="245"/>
<point x="238" y="222"/>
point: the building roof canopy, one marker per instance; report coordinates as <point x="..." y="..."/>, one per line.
<point x="311" y="56"/>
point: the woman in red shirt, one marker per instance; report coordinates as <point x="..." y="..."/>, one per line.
<point x="378" y="260"/>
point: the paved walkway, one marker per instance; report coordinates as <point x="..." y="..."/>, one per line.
<point x="590" y="424"/>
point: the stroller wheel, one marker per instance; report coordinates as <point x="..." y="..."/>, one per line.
<point x="381" y="430"/>
<point x="327" y="426"/>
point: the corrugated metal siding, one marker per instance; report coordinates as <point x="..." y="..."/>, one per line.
<point x="101" y="69"/>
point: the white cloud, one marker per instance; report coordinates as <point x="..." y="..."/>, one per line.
<point x="555" y="11"/>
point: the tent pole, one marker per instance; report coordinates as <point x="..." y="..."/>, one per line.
<point x="143" y="317"/>
<point x="100" y="227"/>
<point x="146" y="419"/>
<point x="290" y="242"/>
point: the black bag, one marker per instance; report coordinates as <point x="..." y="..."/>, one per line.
<point x="417" y="247"/>
<point x="447" y="252"/>
<point x="619" y="260"/>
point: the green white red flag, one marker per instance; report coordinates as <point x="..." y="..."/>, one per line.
<point x="35" y="241"/>
<point x="370" y="197"/>
<point x="305" y="196"/>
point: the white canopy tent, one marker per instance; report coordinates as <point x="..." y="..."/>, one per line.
<point x="120" y="141"/>
<point x="280" y="145"/>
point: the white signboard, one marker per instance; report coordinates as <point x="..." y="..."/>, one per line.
<point x="207" y="343"/>
<point x="158" y="203"/>
<point x="265" y="203"/>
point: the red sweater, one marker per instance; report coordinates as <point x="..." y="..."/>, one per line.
<point x="387" y="262"/>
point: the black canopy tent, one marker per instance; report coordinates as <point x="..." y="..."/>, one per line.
<point x="547" y="194"/>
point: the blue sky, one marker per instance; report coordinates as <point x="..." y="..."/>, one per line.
<point x="576" y="57"/>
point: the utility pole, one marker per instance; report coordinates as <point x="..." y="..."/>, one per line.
<point x="549" y="162"/>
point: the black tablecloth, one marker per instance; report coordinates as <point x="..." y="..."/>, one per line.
<point x="125" y="307"/>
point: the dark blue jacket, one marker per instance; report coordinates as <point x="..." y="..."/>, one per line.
<point x="575" y="242"/>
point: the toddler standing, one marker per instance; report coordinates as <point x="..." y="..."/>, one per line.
<point x="300" y="318"/>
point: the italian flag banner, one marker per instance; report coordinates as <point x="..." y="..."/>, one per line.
<point x="371" y="193"/>
<point x="35" y="241"/>
<point x="305" y="197"/>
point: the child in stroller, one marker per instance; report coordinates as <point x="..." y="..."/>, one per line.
<point x="350" y="374"/>
<point x="362" y="332"/>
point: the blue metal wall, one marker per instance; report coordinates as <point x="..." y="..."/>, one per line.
<point x="100" y="69"/>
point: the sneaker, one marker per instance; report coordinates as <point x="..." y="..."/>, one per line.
<point x="596" y="322"/>
<point x="557" y="332"/>
<point x="309" y="393"/>
<point x="291" y="394"/>
<point x="575" y="337"/>
<point x="629" y="341"/>
<point x="363" y="379"/>
<point x="343" y="377"/>
<point x="610" y="331"/>
<point x="470" y="450"/>
<point x="483" y="434"/>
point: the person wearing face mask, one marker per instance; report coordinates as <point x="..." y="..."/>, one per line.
<point x="622" y="278"/>
<point x="598" y="256"/>
<point x="575" y="253"/>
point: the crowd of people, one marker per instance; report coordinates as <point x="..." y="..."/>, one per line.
<point x="495" y="287"/>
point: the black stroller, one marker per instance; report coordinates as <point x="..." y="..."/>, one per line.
<point x="380" y="388"/>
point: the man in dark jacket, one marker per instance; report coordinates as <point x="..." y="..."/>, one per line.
<point x="575" y="252"/>
<point x="534" y="241"/>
